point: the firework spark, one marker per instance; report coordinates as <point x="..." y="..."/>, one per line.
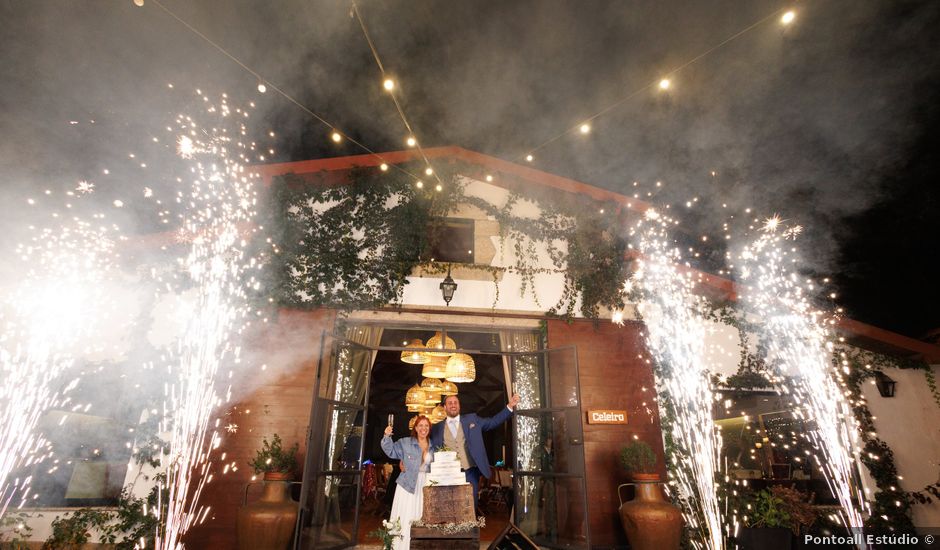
<point x="222" y="196"/>
<point x="45" y="324"/>
<point x="799" y="344"/>
<point x="675" y="337"/>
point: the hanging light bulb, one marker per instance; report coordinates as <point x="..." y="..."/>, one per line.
<point x="664" y="84"/>
<point x="438" y="414"/>
<point x="432" y="388"/>
<point x="436" y="367"/>
<point x="415" y="357"/>
<point x="415" y="396"/>
<point x="461" y="368"/>
<point x="411" y="141"/>
<point x="389" y="84"/>
<point x="383" y="167"/>
<point x="336" y="137"/>
<point x="261" y="87"/>
<point x="449" y="388"/>
<point x="788" y="17"/>
<point x="435" y="343"/>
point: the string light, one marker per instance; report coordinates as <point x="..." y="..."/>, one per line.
<point x="383" y="167"/>
<point x="788" y="17"/>
<point x="664" y="83"/>
<point x="489" y="177"/>
<point x="428" y="170"/>
<point x="389" y="84"/>
<point x="336" y="137"/>
<point x="528" y="158"/>
<point x="419" y="184"/>
<point x="262" y="85"/>
<point x="439" y="187"/>
<point x="585" y="128"/>
<point x="411" y="141"/>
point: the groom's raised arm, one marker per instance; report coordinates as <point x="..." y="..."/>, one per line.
<point x="487" y="424"/>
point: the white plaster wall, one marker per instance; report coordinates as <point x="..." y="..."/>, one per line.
<point x="425" y="291"/>
<point x="909" y="423"/>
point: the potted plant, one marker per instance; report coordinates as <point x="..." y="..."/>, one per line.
<point x="639" y="460"/>
<point x="649" y="520"/>
<point x="269" y="521"/>
<point x="772" y="515"/>
<point x="272" y="460"/>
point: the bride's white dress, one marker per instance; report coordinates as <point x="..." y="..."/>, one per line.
<point x="408" y="507"/>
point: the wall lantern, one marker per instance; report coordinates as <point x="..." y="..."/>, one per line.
<point x="448" y="287"/>
<point x="885" y="384"/>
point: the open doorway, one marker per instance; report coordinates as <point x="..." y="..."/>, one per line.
<point x="537" y="457"/>
<point x="390" y="381"/>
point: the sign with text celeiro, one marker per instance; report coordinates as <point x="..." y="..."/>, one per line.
<point x="606" y="417"/>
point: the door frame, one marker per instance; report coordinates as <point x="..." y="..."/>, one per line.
<point x="317" y="427"/>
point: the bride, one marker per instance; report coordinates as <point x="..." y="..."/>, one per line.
<point x="415" y="453"/>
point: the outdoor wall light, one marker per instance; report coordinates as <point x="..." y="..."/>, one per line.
<point x="448" y="287"/>
<point x="885" y="384"/>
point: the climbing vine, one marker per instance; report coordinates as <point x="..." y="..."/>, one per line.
<point x="350" y="241"/>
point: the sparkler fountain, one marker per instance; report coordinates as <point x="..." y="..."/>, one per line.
<point x="221" y="202"/>
<point x="676" y="335"/>
<point x="799" y="344"/>
<point x="49" y="319"/>
<point x="46" y="323"/>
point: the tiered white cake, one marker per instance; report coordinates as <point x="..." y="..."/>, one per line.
<point x="445" y="470"/>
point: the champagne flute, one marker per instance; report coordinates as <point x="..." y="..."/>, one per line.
<point x="391" y="419"/>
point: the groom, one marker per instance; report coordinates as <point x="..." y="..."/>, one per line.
<point x="464" y="434"/>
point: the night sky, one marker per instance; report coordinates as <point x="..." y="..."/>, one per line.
<point x="829" y="121"/>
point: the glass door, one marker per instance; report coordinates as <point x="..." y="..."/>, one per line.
<point x="548" y="477"/>
<point x="329" y="504"/>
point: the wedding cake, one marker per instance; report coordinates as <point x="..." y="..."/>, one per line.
<point x="445" y="470"/>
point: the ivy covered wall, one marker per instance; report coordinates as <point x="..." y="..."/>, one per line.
<point x="362" y="240"/>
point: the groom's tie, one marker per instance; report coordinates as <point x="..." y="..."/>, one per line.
<point x="452" y="424"/>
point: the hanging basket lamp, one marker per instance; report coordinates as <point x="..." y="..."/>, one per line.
<point x="449" y="388"/>
<point x="461" y="368"/>
<point x="432" y="388"/>
<point x="436" y="367"/>
<point x="415" y="408"/>
<point x="415" y="357"/>
<point x="435" y="343"/>
<point x="438" y="414"/>
<point x="415" y="396"/>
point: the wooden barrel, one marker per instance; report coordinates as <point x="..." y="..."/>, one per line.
<point x="429" y="538"/>
<point x="448" y="504"/>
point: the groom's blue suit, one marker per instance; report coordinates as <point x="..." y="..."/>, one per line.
<point x="473" y="427"/>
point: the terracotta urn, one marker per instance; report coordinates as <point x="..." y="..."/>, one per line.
<point x="268" y="523"/>
<point x="651" y="522"/>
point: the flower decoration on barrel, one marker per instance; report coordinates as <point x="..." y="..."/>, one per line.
<point x="461" y="368"/>
<point x="415" y="397"/>
<point x="448" y="388"/>
<point x="436" y="367"/>
<point x="415" y="357"/>
<point x="437" y="342"/>
<point x="432" y="389"/>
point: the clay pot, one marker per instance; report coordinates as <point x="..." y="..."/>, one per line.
<point x="268" y="523"/>
<point x="651" y="522"/>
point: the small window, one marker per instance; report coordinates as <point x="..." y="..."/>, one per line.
<point x="451" y="240"/>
